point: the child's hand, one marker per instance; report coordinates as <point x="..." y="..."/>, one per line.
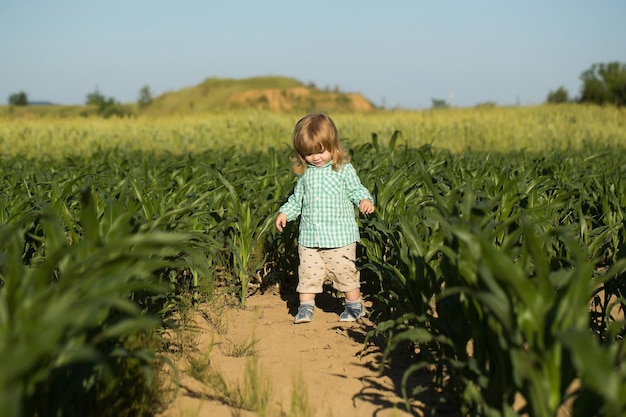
<point x="281" y="221"/>
<point x="366" y="206"/>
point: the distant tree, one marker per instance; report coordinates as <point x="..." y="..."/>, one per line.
<point x="145" y="97"/>
<point x="486" y="105"/>
<point x="107" y="107"/>
<point x="604" y="84"/>
<point x="559" y="96"/>
<point x="439" y="104"/>
<point x="95" y="98"/>
<point x="18" y="99"/>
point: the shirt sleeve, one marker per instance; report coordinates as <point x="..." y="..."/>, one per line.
<point x="293" y="207"/>
<point x="356" y="190"/>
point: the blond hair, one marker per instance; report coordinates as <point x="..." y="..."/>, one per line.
<point x="313" y="134"/>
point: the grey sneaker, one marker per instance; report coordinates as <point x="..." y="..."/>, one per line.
<point x="352" y="312"/>
<point x="305" y="314"/>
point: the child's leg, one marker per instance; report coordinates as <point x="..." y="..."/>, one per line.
<point x="305" y="312"/>
<point x="353" y="295"/>
<point x="341" y="266"/>
<point x="304" y="297"/>
<point x="354" y="309"/>
<point x="311" y="276"/>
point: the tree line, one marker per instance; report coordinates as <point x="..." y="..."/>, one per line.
<point x="602" y="83"/>
<point x="106" y="107"/>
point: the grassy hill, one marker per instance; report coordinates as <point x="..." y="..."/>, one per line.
<point x="274" y="93"/>
<point x="264" y="93"/>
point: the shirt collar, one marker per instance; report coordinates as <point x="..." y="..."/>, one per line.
<point x="327" y="164"/>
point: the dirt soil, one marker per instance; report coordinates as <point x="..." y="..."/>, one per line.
<point x="330" y="362"/>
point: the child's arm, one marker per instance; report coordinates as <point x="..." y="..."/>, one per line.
<point x="358" y="194"/>
<point x="292" y="208"/>
<point x="366" y="206"/>
<point x="281" y="221"/>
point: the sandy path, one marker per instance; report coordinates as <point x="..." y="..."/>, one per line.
<point x="327" y="359"/>
<point x="339" y="378"/>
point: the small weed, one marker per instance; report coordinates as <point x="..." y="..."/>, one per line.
<point x="257" y="388"/>
<point x="300" y="398"/>
<point x="186" y="334"/>
<point x="242" y="349"/>
<point x="215" y="317"/>
<point x="199" y="366"/>
<point x="253" y="395"/>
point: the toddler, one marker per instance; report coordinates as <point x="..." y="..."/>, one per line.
<point x="326" y="192"/>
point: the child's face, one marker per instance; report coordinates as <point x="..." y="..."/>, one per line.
<point x="318" y="159"/>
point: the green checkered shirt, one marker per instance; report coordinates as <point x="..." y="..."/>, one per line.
<point x="325" y="200"/>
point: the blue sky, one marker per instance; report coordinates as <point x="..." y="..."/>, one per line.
<point x="396" y="53"/>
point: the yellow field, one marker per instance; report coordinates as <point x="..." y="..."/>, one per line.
<point x="489" y="128"/>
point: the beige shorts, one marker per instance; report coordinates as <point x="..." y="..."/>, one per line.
<point x="337" y="264"/>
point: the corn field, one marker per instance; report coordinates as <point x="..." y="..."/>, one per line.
<point x="496" y="255"/>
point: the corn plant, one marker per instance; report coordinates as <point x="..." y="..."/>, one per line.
<point x="496" y="252"/>
<point x="507" y="290"/>
<point x="246" y="228"/>
<point x="70" y="321"/>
